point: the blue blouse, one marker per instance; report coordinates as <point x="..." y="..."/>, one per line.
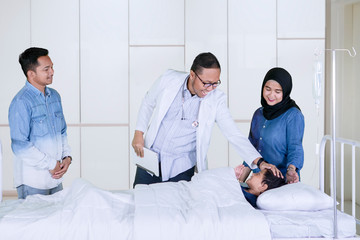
<point x="279" y="140"/>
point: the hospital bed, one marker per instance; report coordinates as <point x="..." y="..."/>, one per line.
<point x="211" y="206"/>
<point x="316" y="224"/>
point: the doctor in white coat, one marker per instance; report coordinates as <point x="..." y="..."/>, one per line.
<point x="176" y="118"/>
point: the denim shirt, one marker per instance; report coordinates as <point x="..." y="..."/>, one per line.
<point x="38" y="136"/>
<point x="279" y="140"/>
<point x="251" y="198"/>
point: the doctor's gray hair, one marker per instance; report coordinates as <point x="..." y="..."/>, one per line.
<point x="205" y="60"/>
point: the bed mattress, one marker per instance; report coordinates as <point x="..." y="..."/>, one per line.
<point x="304" y="224"/>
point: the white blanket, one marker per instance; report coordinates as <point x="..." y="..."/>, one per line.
<point x="211" y="206"/>
<point x="80" y="212"/>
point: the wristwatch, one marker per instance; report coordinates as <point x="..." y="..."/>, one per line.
<point x="291" y="168"/>
<point x="259" y="162"/>
<point x="67" y="157"/>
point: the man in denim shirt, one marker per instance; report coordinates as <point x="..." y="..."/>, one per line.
<point x="38" y="129"/>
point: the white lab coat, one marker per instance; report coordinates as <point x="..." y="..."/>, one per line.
<point x="213" y="108"/>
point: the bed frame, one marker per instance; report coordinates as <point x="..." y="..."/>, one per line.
<point x="339" y="142"/>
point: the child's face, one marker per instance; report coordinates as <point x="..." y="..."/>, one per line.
<point x="255" y="182"/>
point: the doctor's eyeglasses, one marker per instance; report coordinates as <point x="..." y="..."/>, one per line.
<point x="207" y="85"/>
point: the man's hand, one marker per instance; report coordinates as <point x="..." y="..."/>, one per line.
<point x="138" y="143"/>
<point x="242" y="172"/>
<point x="56" y="169"/>
<point x="61" y="168"/>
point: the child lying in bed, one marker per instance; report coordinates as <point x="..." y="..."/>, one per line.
<point x="258" y="183"/>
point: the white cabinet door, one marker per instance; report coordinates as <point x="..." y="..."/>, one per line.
<point x="55" y="26"/>
<point x="104" y="61"/>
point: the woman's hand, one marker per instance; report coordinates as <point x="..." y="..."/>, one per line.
<point x="291" y="175"/>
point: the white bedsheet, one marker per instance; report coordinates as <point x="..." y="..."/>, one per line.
<point x="211" y="206"/>
<point x="304" y="224"/>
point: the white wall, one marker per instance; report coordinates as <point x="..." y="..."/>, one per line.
<point x="107" y="53"/>
<point x="345" y="34"/>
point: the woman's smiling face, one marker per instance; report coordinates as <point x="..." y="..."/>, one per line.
<point x="272" y="92"/>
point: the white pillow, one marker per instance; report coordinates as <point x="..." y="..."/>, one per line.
<point x="295" y="196"/>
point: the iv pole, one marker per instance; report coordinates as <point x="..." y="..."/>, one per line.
<point x="333" y="60"/>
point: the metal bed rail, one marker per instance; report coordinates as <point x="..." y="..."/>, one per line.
<point x="340" y="142"/>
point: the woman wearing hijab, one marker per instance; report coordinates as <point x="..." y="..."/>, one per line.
<point x="277" y="128"/>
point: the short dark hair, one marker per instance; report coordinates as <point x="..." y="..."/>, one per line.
<point x="272" y="181"/>
<point x="29" y="58"/>
<point x="205" y="60"/>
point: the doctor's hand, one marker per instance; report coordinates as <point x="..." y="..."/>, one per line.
<point x="291" y="175"/>
<point x="138" y="143"/>
<point x="273" y="168"/>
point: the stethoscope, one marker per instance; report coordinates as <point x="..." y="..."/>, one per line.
<point x="195" y="123"/>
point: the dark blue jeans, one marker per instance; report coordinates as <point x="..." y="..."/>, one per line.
<point x="143" y="177"/>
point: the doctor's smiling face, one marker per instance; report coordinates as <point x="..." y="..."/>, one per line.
<point x="272" y="92"/>
<point x="203" y="81"/>
<point x="204" y="74"/>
